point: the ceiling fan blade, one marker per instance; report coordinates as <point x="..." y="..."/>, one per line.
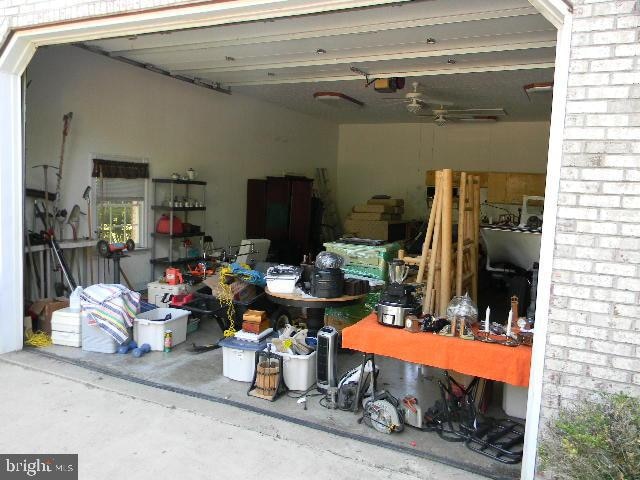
<point x="478" y="111"/>
<point x="436" y="101"/>
<point x="477" y="118"/>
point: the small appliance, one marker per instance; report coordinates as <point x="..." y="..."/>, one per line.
<point x="326" y="366"/>
<point x="398" y="300"/>
<point x="173" y="276"/>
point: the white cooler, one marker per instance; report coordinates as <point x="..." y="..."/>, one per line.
<point x="149" y="327"/>
<point x="156" y="292"/>
<point x="66" y="327"/>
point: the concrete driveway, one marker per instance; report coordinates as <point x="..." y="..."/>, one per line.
<point x="122" y="429"/>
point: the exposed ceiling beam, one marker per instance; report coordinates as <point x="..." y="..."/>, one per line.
<point x="326" y="31"/>
<point x="402" y="55"/>
<point x="413" y="73"/>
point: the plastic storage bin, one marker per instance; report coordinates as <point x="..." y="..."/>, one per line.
<point x="149" y="327"/>
<point x="94" y="339"/>
<point x="514" y="400"/>
<point x="239" y="358"/>
<point x="157" y="291"/>
<point x="299" y="371"/>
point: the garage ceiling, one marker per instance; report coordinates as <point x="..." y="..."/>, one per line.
<point x="476" y="54"/>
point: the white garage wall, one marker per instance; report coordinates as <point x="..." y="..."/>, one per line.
<point x="393" y="158"/>
<point x="123" y="110"/>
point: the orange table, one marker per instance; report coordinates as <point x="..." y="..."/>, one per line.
<point x="486" y="360"/>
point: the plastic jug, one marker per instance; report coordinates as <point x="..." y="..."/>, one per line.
<point x="74" y="300"/>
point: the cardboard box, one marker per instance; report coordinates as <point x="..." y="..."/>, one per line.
<point x="44" y="310"/>
<point x="374" y="216"/>
<point x="377" y="209"/>
<point x="392" y="202"/>
<point x="242" y="291"/>
<point x="378" y="230"/>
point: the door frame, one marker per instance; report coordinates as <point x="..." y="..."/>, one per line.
<point x="22" y="44"/>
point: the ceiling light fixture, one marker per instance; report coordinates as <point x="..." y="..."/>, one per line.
<point x="337" y="98"/>
<point x="537" y="87"/>
<point x="431" y="41"/>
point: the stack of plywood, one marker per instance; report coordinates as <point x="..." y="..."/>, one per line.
<point x="379" y="218"/>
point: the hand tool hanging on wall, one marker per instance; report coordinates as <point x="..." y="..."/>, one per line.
<point x="59" y="213"/>
<point x="45" y="202"/>
<point x="87" y="196"/>
<point x="57" y="254"/>
<point x="66" y="125"/>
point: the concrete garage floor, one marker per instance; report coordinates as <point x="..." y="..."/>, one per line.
<point x="200" y="375"/>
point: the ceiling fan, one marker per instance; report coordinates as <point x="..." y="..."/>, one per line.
<point x="442" y="116"/>
<point x="416" y="100"/>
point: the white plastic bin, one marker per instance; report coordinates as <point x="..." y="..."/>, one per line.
<point x="514" y="400"/>
<point x="299" y="371"/>
<point x="94" y="339"/>
<point x="149" y="327"/>
<point x="239" y="358"/>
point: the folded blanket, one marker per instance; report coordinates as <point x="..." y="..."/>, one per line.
<point x="110" y="307"/>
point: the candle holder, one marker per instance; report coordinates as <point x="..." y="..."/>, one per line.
<point x="510" y="341"/>
<point x="485" y="337"/>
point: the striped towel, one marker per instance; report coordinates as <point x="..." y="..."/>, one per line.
<point x="110" y="307"/>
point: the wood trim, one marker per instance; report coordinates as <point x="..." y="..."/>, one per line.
<point x="128" y="13"/>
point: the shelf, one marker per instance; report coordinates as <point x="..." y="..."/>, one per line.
<point x="177" y="261"/>
<point x="178" y="182"/>
<point x="177" y="235"/>
<point x="164" y="208"/>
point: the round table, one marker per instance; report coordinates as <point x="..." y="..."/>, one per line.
<point x="315" y="306"/>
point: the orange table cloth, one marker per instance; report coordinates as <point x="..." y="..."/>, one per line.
<point x="487" y="360"/>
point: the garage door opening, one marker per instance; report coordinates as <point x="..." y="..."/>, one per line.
<point x="303" y="100"/>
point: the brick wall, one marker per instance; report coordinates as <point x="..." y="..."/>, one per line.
<point x="593" y="342"/>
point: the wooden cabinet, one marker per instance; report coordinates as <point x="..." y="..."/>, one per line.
<point x="511" y="187"/>
<point x="502" y="187"/>
<point x="279" y="208"/>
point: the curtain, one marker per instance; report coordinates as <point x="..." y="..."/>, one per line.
<point x="117" y="169"/>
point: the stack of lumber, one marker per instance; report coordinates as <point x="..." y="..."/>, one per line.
<point x="445" y="272"/>
<point x="379" y="218"/>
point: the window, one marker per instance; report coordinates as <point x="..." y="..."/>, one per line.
<point x="120" y="202"/>
<point x="119" y="221"/>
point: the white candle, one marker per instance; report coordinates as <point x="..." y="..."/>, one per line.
<point x="486" y="319"/>
<point x="509" y="323"/>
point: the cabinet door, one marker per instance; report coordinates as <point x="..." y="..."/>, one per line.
<point x="300" y="218"/>
<point x="256" y="208"/>
<point x="277" y="209"/>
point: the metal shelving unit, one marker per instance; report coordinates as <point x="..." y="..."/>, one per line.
<point x="175" y="188"/>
